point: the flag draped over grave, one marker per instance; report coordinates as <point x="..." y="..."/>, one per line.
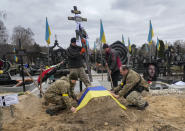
<point x="93" y="92"/>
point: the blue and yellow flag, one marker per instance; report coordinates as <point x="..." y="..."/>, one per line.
<point x="129" y="46"/>
<point x="93" y="92"/>
<point x="15" y="57"/>
<point x="158" y="44"/>
<point x="123" y="41"/>
<point x="48" y="32"/>
<point x="150" y="34"/>
<point x="102" y="33"/>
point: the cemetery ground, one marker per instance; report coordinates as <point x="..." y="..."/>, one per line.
<point x="166" y="112"/>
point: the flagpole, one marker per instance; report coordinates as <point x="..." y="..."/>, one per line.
<point x="150" y="53"/>
<point x="101" y="60"/>
<point x="48" y="56"/>
<point x="95" y="55"/>
<point x="128" y="53"/>
<point x="156" y="52"/>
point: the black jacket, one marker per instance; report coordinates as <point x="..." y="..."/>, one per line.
<point x="74" y="56"/>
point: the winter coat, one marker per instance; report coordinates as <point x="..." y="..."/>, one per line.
<point x="74" y="57"/>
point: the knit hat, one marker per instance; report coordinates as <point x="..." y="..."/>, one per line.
<point x="125" y="67"/>
<point x="73" y="76"/>
<point x="73" y="40"/>
<point x="105" y="46"/>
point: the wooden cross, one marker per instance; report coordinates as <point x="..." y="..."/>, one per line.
<point x="77" y="17"/>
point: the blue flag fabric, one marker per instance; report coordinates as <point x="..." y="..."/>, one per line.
<point x="97" y="88"/>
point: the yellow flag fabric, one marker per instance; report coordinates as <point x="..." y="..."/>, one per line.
<point x="96" y="93"/>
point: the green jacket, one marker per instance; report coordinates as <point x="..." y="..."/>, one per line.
<point x="64" y="88"/>
<point x="133" y="81"/>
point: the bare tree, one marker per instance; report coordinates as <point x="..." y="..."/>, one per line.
<point x="3" y="33"/>
<point x="25" y="35"/>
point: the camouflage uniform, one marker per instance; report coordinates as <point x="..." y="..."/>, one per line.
<point x="82" y="75"/>
<point x="60" y="94"/>
<point x="131" y="87"/>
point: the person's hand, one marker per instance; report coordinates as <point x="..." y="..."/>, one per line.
<point x="113" y="94"/>
<point x="73" y="109"/>
<point x="116" y="96"/>
<point x="62" y="62"/>
<point x="110" y="71"/>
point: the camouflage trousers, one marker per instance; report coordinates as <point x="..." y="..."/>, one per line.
<point x="135" y="98"/>
<point x="82" y="75"/>
<point x="55" y="99"/>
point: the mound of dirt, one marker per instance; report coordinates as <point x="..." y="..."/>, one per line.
<point x="165" y="113"/>
<point x="101" y="112"/>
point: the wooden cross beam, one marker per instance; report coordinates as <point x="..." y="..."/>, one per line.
<point x="76" y="18"/>
<point x="75" y="11"/>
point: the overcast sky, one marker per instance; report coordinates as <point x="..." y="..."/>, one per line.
<point x="127" y="17"/>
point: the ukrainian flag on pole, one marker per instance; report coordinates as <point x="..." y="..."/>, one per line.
<point x="102" y="33"/>
<point x="123" y="41"/>
<point x="48" y="32"/>
<point x="129" y="46"/>
<point x="158" y="44"/>
<point x="150" y="34"/>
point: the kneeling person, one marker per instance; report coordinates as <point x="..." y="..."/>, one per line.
<point x="60" y="94"/>
<point x="131" y="88"/>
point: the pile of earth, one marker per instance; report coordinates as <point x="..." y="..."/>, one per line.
<point x="165" y="113"/>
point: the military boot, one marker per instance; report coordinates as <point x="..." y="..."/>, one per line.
<point x="51" y="112"/>
<point x="142" y="108"/>
<point x="55" y="110"/>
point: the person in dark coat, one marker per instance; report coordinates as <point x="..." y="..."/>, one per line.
<point x="113" y="62"/>
<point x="76" y="63"/>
